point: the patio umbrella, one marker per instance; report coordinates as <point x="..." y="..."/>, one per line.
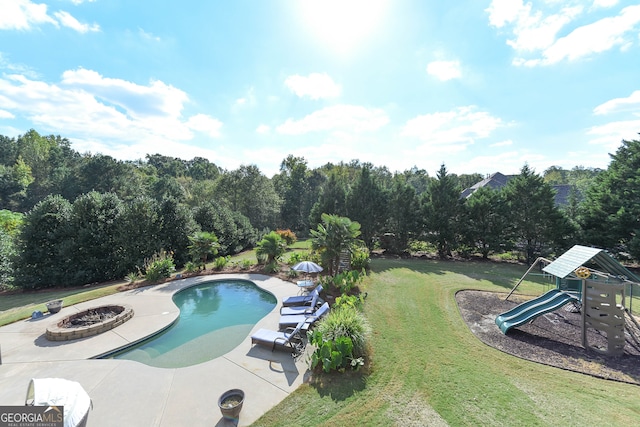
<point x="307" y="267"/>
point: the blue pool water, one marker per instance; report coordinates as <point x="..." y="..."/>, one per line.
<point x="215" y="317"/>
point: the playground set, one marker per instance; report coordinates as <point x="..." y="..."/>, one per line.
<point x="591" y="281"/>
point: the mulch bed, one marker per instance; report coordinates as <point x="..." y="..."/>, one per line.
<point x="554" y="339"/>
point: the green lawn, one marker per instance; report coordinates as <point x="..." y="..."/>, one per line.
<point x="429" y="369"/>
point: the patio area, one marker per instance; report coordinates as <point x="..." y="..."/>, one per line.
<point x="129" y="393"/>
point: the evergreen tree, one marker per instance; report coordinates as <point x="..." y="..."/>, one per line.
<point x="367" y="205"/>
<point x="43" y="243"/>
<point x="610" y="213"/>
<point x="536" y="225"/>
<point x="402" y="216"/>
<point x="442" y="207"/>
<point x="293" y="187"/>
<point x="332" y="199"/>
<point x="484" y="221"/>
<point x="95" y="222"/>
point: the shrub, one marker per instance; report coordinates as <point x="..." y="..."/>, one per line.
<point x="272" y="246"/>
<point x="355" y="301"/>
<point x="191" y="267"/>
<point x="332" y="354"/>
<point x="360" y="259"/>
<point x="261" y="258"/>
<point x="246" y="264"/>
<point x="346" y="321"/>
<point x="297" y="257"/>
<point x="159" y="266"/>
<point x="132" y="277"/>
<point x="420" y="246"/>
<point x="221" y="262"/>
<point x="288" y="236"/>
<point x="344" y="282"/>
<point x="272" y="267"/>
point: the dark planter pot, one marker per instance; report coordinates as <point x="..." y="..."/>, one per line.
<point x="54" y="306"/>
<point x="230" y="403"/>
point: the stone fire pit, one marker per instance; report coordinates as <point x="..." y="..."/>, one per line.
<point x="87" y="323"/>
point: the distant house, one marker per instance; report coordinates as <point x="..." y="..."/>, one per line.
<point x="498" y="180"/>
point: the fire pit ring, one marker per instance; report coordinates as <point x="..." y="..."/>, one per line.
<point x="90" y="322"/>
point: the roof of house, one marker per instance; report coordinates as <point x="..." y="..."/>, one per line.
<point x="498" y="180"/>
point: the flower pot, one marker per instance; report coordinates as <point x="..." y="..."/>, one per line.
<point x="54" y="306"/>
<point x="230" y="403"/>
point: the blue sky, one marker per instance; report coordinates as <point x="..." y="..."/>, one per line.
<point x="481" y="86"/>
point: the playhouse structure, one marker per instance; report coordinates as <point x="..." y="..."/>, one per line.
<point x="591" y="280"/>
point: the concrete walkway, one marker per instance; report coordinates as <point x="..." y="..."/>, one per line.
<point x="129" y="393"/>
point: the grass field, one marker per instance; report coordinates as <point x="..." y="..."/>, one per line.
<point x="429" y="369"/>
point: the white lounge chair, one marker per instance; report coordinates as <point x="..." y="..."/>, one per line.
<point x="289" y="340"/>
<point x="287" y="321"/>
<point x="298" y="300"/>
<point x="302" y="309"/>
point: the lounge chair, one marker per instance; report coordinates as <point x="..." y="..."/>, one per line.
<point x="302" y="309"/>
<point x="288" y="340"/>
<point x="288" y="321"/>
<point x="298" y="300"/>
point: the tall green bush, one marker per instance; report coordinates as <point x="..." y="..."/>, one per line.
<point x="346" y="321"/>
<point x="159" y="266"/>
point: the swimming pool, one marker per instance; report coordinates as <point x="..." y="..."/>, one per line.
<point x="215" y="317"/>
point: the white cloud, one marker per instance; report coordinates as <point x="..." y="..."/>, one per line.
<point x="630" y="103"/>
<point x="206" y="124"/>
<point x="6" y="115"/>
<point x="69" y="21"/>
<point x="263" y="129"/>
<point x="537" y="35"/>
<point x="444" y="70"/>
<point x="249" y="100"/>
<point x="155" y="100"/>
<point x="23" y="14"/>
<point x="77" y="2"/>
<point x="148" y="36"/>
<point x="315" y="86"/>
<point x="610" y="134"/>
<point x="452" y="129"/>
<point x="598" y="37"/>
<point x="506" y="143"/>
<point x="338" y="118"/>
<point x="88" y="106"/>
<point x="604" y="3"/>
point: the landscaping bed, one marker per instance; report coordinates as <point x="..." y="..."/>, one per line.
<point x="554" y="339"/>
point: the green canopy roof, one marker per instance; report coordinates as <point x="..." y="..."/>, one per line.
<point x="578" y="255"/>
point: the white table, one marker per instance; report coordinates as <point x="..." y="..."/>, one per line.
<point x="305" y="286"/>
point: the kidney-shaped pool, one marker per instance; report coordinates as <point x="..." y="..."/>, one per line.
<point x="215" y="317"/>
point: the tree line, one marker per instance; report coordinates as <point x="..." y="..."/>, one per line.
<point x="71" y="218"/>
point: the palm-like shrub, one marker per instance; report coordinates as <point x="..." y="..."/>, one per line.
<point x="202" y="244"/>
<point x="335" y="235"/>
<point x="272" y="246"/>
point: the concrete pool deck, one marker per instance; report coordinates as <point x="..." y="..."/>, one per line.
<point x="133" y="394"/>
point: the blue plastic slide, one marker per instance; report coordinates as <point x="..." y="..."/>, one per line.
<point x="531" y="309"/>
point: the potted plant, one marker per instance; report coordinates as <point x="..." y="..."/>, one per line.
<point x="230" y="403"/>
<point x="54" y="306"/>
